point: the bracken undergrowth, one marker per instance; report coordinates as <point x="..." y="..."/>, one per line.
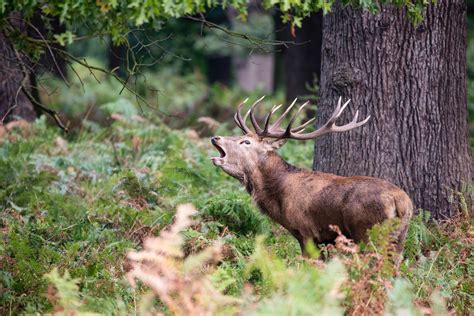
<point x="89" y="225"/>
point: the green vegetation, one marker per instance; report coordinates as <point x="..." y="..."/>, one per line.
<point x="115" y="17"/>
<point x="74" y="205"/>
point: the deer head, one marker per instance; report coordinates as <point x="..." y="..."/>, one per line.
<point x="239" y="155"/>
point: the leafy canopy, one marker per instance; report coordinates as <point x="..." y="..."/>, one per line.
<point x="116" y="17"/>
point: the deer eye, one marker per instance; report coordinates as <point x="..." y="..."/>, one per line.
<point x="246" y="142"/>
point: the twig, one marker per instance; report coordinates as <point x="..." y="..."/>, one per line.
<point x="52" y="113"/>
<point x="254" y="40"/>
<point x="115" y="76"/>
<point x="77" y="75"/>
<point x="35" y="102"/>
<point x="117" y="160"/>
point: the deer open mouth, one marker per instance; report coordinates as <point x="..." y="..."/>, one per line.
<point x="221" y="151"/>
<point x="218" y="161"/>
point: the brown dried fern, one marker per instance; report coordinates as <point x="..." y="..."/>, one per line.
<point x="182" y="284"/>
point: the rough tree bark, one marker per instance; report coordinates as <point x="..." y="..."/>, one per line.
<point x="412" y="81"/>
<point x="14" y="80"/>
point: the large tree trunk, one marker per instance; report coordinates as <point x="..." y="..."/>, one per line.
<point x="412" y="81"/>
<point x="15" y="80"/>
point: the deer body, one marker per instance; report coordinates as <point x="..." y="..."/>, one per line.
<point x="306" y="202"/>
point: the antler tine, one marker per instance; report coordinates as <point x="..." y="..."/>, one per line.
<point x="293" y="118"/>
<point x="236" y="115"/>
<point x="347" y="127"/>
<point x="302" y="126"/>
<point x="337" y="111"/>
<point x="238" y="118"/>
<point x="277" y="123"/>
<point x="288" y="129"/>
<point x="331" y="123"/>
<point x="330" y="126"/>
<point x="364" y="121"/>
<point x="246" y="115"/>
<point x="343" y="107"/>
<point x="276" y="107"/>
<point x="267" y="118"/>
<point x="257" y="127"/>
<point x="353" y="124"/>
<point x="236" y="121"/>
<point x="356" y="116"/>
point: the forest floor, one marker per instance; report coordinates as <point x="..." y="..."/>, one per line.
<point x="74" y="205"/>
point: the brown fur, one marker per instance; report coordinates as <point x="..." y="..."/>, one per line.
<point x="307" y="202"/>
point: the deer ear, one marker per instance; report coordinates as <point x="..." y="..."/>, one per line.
<point x="277" y="143"/>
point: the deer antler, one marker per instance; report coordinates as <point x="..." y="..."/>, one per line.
<point x="275" y="131"/>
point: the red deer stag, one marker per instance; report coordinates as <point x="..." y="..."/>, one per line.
<point x="306" y="202"/>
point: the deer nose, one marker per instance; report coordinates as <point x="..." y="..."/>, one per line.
<point x="215" y="139"/>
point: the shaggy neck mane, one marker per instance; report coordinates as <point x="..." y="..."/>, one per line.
<point x="265" y="183"/>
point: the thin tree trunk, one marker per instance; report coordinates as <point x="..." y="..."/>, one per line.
<point x="412" y="81"/>
<point x="117" y="55"/>
<point x="219" y="68"/>
<point x="303" y="62"/>
<point x="14" y="80"/>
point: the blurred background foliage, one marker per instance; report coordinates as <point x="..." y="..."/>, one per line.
<point x="191" y="70"/>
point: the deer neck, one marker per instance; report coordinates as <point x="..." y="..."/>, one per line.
<point x="266" y="184"/>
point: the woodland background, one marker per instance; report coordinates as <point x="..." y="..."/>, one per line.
<point x="139" y="109"/>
